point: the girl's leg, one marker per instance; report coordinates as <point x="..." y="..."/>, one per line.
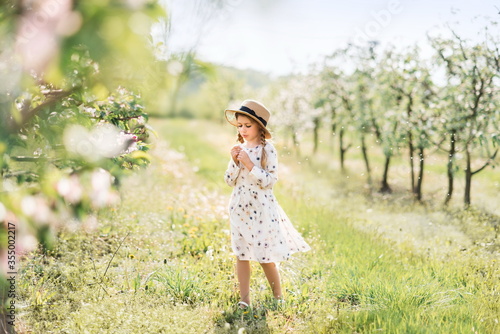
<point x="243" y="273"/>
<point x="273" y="277"/>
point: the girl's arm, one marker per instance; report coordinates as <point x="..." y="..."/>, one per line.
<point x="232" y="172"/>
<point x="266" y="177"/>
<point x="233" y="168"/>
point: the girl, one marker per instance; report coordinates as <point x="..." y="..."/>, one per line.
<point x="260" y="229"/>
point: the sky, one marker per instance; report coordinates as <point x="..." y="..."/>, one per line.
<point x="279" y="37"/>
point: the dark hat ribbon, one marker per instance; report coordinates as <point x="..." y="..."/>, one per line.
<point x="251" y="112"/>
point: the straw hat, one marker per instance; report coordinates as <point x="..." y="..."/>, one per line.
<point x="250" y="108"/>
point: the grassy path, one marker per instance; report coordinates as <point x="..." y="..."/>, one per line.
<point x="161" y="263"/>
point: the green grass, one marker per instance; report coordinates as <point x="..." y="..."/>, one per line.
<point x="161" y="262"/>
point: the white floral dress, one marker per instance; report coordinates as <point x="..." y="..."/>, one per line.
<point x="260" y="229"/>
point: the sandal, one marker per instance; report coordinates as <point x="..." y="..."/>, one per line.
<point x="243" y="305"/>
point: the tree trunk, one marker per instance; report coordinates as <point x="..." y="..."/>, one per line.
<point x="385" y="185"/>
<point x="365" y="156"/>
<point x="468" y="178"/>
<point x="295" y="141"/>
<point x="412" y="163"/>
<point x="341" y="146"/>
<point x="418" y="190"/>
<point x="316" y="135"/>
<point x="332" y="137"/>
<point x="451" y="156"/>
<point x="343" y="149"/>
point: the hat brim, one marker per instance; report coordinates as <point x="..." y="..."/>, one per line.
<point x="231" y="118"/>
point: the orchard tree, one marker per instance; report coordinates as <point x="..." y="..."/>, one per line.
<point x="365" y="91"/>
<point x="338" y="98"/>
<point x="293" y="106"/>
<point x="472" y="73"/>
<point x="353" y="93"/>
<point x="448" y="125"/>
<point x="410" y="78"/>
<point x="386" y="118"/>
<point x="317" y="101"/>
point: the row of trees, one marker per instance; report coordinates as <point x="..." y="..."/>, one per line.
<point x="409" y="104"/>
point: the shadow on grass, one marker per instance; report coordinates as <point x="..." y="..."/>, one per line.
<point x="233" y="321"/>
<point x="252" y="319"/>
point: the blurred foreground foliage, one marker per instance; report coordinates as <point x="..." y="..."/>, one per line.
<point x="72" y="121"/>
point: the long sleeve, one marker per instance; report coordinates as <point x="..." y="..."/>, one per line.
<point x="232" y="173"/>
<point x="267" y="177"/>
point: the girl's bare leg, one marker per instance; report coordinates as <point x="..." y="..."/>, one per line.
<point x="273" y="277"/>
<point x="243" y="273"/>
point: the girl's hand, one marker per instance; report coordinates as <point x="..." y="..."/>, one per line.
<point x="245" y="160"/>
<point x="235" y="151"/>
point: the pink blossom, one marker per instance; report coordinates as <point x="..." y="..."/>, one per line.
<point x="70" y="189"/>
<point x="36" y="207"/>
<point x="39" y="30"/>
<point x="102" y="193"/>
<point x="128" y="141"/>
